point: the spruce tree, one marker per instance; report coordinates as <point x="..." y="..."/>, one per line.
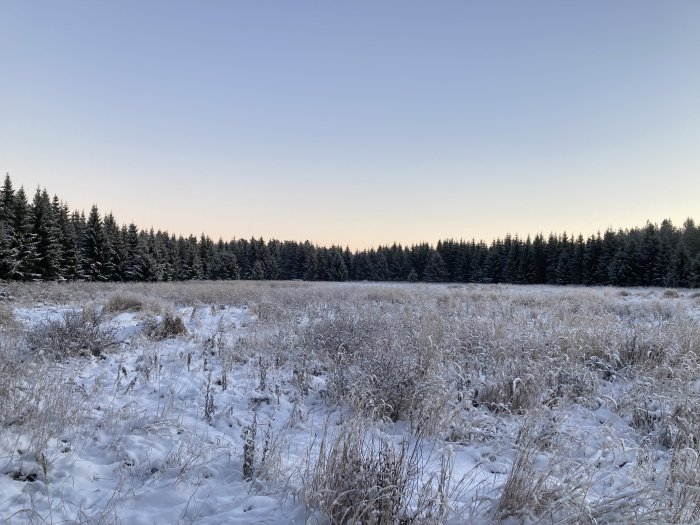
<point x="257" y="272"/>
<point x="135" y="264"/>
<point x="25" y="238"/>
<point x="337" y="271"/>
<point x="113" y="249"/>
<point x="70" y="264"/>
<point x="92" y="247"/>
<point x="46" y="233"/>
<point x="435" y="271"/>
<point x="9" y="252"/>
<point x="223" y="266"/>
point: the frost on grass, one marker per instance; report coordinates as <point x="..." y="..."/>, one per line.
<point x="348" y="403"/>
<point x="79" y="333"/>
<point x="361" y="475"/>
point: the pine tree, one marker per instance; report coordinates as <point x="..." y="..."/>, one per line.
<point x="7" y="200"/>
<point x="206" y="252"/>
<point x="511" y="253"/>
<point x="477" y="268"/>
<point x="311" y="267"/>
<point x="257" y="272"/>
<point x="681" y="268"/>
<point x="92" y="247"/>
<point x="435" y="271"/>
<point x="25" y="238"/>
<point x="695" y="272"/>
<point x="493" y="263"/>
<point x="539" y="252"/>
<point x="337" y="271"/>
<point x="70" y="264"/>
<point x="577" y="262"/>
<point x="46" y="233"/>
<point x="691" y="238"/>
<point x="380" y="267"/>
<point x="9" y="252"/>
<point x="526" y="267"/>
<point x="223" y="266"/>
<point x="135" y="264"/>
<point x="114" y="250"/>
<point x="396" y="259"/>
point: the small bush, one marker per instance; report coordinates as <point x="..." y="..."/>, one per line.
<point x="79" y="333"/>
<point x="169" y="326"/>
<point x="549" y="484"/>
<point x="510" y="395"/>
<point x="362" y="478"/>
<point x="671" y="294"/>
<point x="124" y="303"/>
<point x="7" y="317"/>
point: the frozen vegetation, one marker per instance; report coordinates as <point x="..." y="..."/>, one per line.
<point x="286" y="402"/>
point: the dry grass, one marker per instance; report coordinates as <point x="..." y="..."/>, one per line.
<point x="133" y="302"/>
<point x="361" y="476"/>
<point x="8" y="324"/>
<point x="79" y="333"/>
<point x="165" y="327"/>
<point x="465" y="364"/>
<point x="548" y="484"/>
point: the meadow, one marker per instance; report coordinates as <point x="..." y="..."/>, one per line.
<point x="293" y="402"/>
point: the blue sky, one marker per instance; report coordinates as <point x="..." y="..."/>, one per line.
<point x="357" y="123"/>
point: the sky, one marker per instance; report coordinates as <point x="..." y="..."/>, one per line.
<point x="356" y="123"/>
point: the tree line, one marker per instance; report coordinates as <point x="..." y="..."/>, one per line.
<point x="45" y="240"/>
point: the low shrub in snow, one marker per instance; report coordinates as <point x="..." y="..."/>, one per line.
<point x="78" y="333"/>
<point x="124" y="303"/>
<point x="363" y="476"/>
<point x="168" y="326"/>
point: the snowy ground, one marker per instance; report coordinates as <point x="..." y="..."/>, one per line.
<point x="514" y="404"/>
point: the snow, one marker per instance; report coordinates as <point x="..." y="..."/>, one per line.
<point x="143" y="450"/>
<point x="147" y="455"/>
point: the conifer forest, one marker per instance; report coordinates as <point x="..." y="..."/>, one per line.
<point x="43" y="239"/>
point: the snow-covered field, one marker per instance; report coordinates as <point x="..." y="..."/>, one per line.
<point x="276" y="403"/>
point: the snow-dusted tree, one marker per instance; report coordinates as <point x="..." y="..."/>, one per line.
<point x="190" y="261"/>
<point x="337" y="271"/>
<point x="47" y="237"/>
<point x="70" y="251"/>
<point x="136" y="266"/>
<point x="92" y="248"/>
<point x="223" y="266"/>
<point x="114" y="250"/>
<point x="257" y="272"/>
<point x="311" y="263"/>
<point x="435" y="271"/>
<point x="25" y="238"/>
<point x="9" y="260"/>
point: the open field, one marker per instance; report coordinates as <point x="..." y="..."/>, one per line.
<point x="290" y="402"/>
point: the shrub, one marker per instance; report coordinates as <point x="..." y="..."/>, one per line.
<point x="168" y="326"/>
<point x="385" y="367"/>
<point x="7" y="317"/>
<point x="78" y="333"/>
<point x="124" y="303"/>
<point x="549" y="483"/>
<point x="363" y="477"/>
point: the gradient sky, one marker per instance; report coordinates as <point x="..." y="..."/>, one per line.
<point x="358" y="123"/>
